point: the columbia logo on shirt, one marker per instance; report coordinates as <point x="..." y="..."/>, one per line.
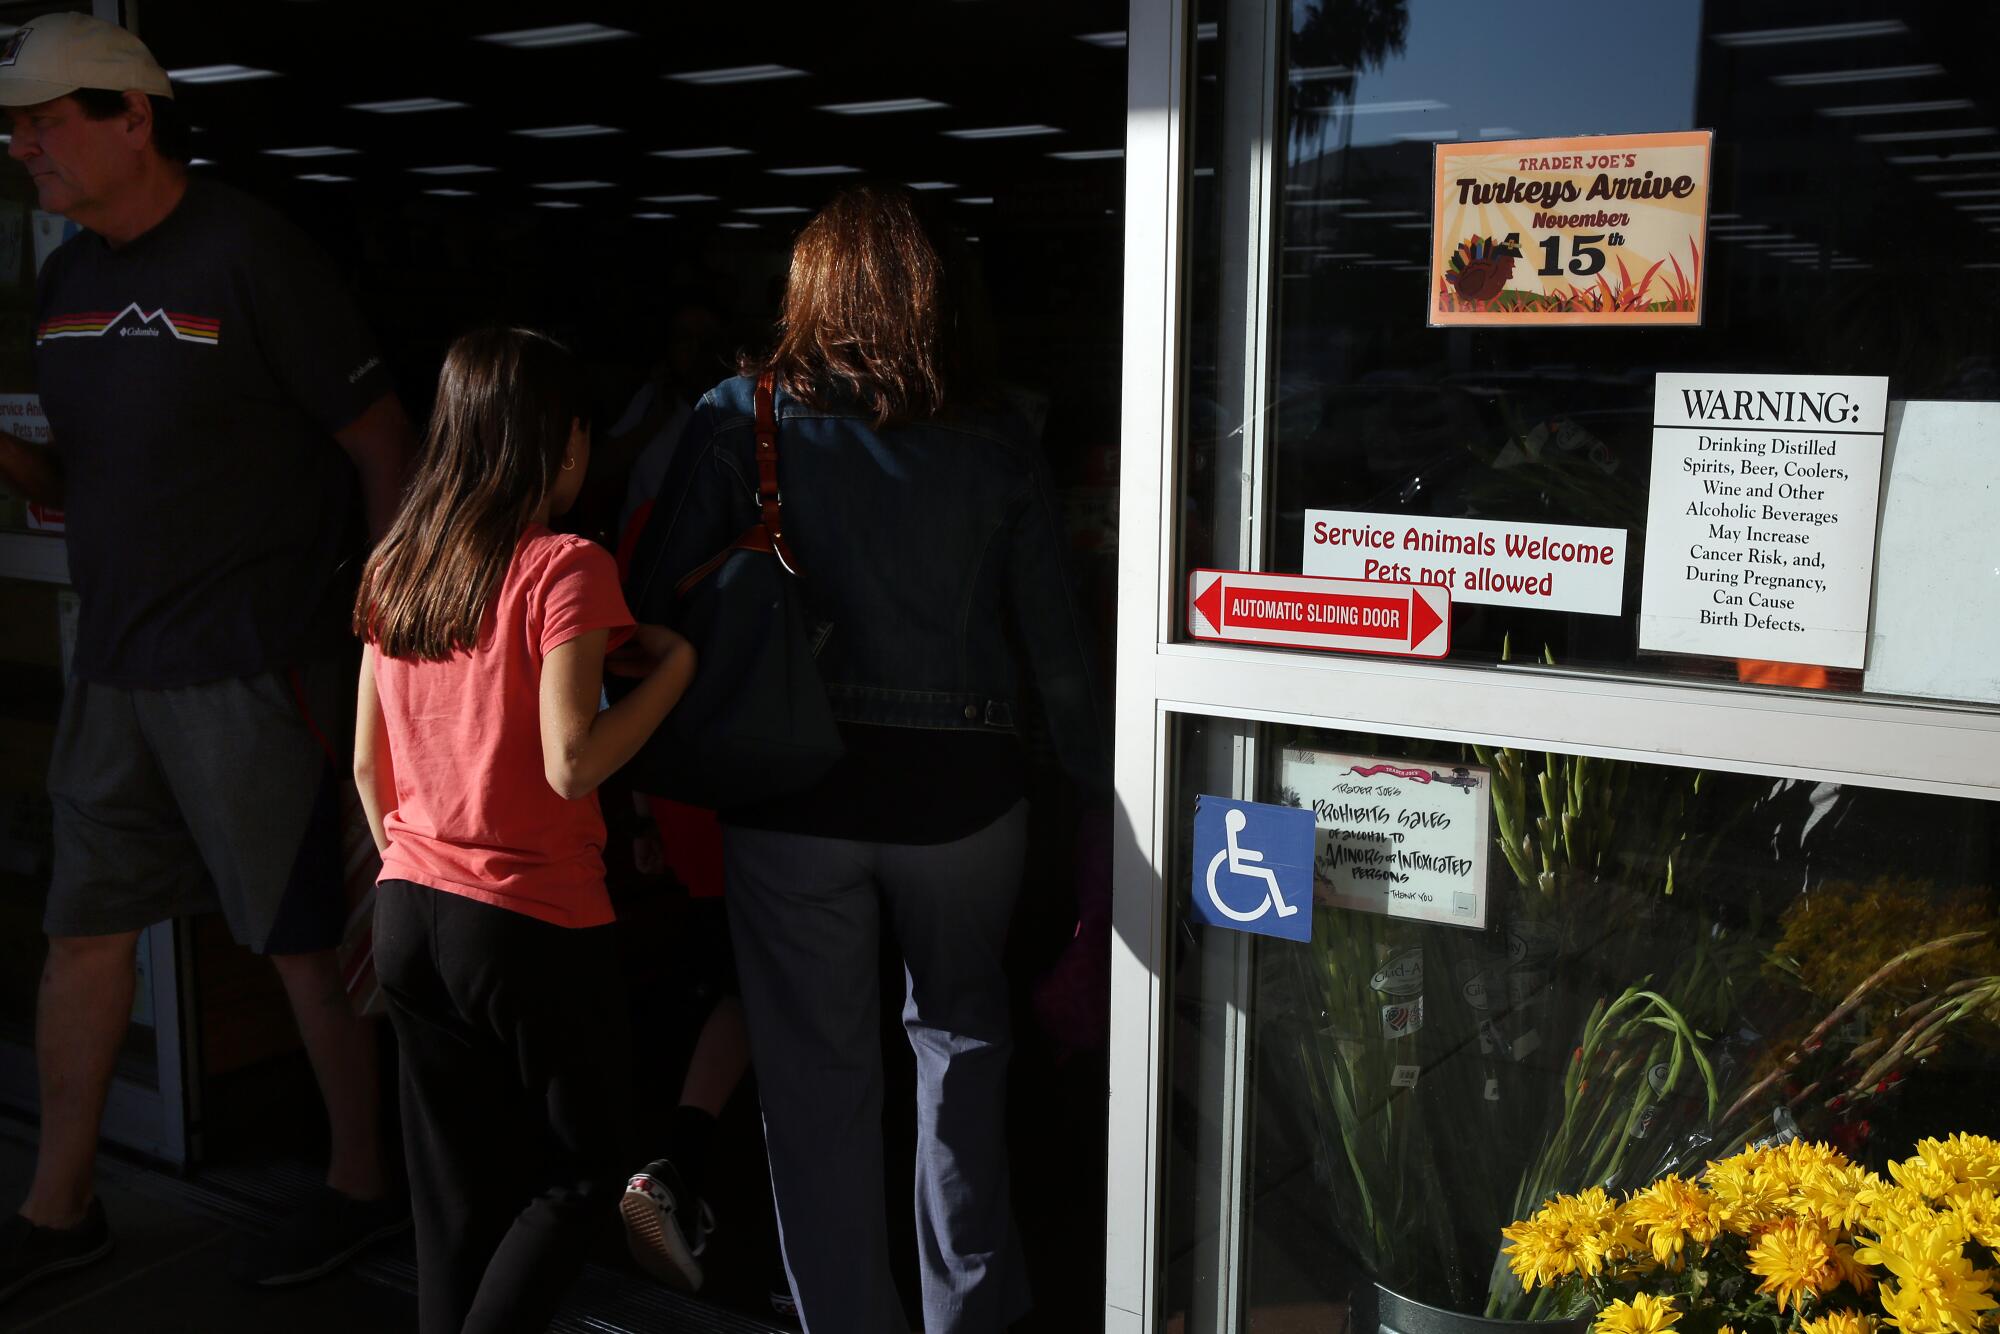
<point x="131" y="322"/>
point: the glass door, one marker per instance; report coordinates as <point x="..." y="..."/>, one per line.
<point x="1657" y="864"/>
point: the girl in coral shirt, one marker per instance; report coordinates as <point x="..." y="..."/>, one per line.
<point x="479" y="750"/>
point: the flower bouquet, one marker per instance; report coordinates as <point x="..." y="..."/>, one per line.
<point x="1646" y="1003"/>
<point x="1786" y="1239"/>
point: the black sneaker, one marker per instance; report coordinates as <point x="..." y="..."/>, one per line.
<point x="665" y="1239"/>
<point x="29" y="1252"/>
<point x="322" y="1234"/>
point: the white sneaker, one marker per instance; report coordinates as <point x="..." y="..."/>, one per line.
<point x="656" y="1227"/>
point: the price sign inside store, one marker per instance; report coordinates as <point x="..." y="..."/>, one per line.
<point x="1602" y="229"/>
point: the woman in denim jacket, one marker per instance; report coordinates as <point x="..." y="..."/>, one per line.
<point x="922" y="520"/>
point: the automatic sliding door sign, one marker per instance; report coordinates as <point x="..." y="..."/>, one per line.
<point x="1307" y="611"/>
<point x="1253" y="867"/>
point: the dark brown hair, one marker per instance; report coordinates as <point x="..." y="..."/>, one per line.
<point x="171" y="137"/>
<point x="505" y="403"/>
<point x="875" y="316"/>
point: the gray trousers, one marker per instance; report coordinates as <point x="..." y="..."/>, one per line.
<point x="805" y="916"/>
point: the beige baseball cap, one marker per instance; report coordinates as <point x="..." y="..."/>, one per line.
<point x="57" y="54"/>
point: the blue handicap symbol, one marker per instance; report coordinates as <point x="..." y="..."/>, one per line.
<point x="1253" y="867"/>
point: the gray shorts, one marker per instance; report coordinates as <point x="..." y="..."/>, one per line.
<point x="199" y="798"/>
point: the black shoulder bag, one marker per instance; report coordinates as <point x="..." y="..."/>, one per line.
<point x="754" y="723"/>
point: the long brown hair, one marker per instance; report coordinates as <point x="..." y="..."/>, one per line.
<point x="875" y="315"/>
<point x="505" y="403"/>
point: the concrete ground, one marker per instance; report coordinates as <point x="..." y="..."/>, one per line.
<point x="168" y="1274"/>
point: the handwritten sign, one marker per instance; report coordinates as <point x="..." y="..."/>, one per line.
<point x="1760" y="536"/>
<point x="1399" y="839"/>
<point x="1603" y="230"/>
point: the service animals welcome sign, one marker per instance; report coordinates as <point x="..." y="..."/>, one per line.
<point x="1602" y="229"/>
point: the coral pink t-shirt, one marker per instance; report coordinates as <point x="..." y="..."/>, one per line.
<point x="475" y="814"/>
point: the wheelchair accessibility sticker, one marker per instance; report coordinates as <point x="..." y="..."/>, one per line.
<point x="1253" y="867"/>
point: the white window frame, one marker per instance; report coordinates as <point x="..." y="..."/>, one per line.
<point x="1953" y="751"/>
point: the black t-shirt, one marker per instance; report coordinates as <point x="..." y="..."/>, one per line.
<point x="192" y="380"/>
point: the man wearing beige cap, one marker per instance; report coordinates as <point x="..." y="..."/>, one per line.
<point x="212" y="398"/>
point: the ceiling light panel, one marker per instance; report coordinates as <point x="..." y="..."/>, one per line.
<point x="1002" y="132"/>
<point x="561" y="34"/>
<point x="1899" y="108"/>
<point x="1939" y="159"/>
<point x="773" y="210"/>
<point x="687" y="154"/>
<point x="447" y="192"/>
<point x="324" y="177"/>
<point x="887" y="106"/>
<point x="1090" y="154"/>
<point x="737" y="74"/>
<point x="740" y="226"/>
<point x="1818" y="32"/>
<point x="677" y="199"/>
<point x="574" y="185"/>
<point x="454" y="169"/>
<point x="1380" y="108"/>
<point x="933" y="185"/>
<point x="1914" y="136"/>
<point x="404" y="106"/>
<point x="318" y="150"/>
<point x="814" y="171"/>
<point x="653" y="217"/>
<point x="569" y="131"/>
<point x="1880" y="74"/>
<point x="557" y="203"/>
<point x="219" y="74"/>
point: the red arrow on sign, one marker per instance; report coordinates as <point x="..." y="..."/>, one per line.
<point x="1305" y="611"/>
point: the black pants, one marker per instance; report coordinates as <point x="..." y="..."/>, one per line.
<point x="515" y="1101"/>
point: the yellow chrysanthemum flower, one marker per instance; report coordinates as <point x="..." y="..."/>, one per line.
<point x="1839" y="1322"/>
<point x="1979" y="1212"/>
<point x="1795" y="1260"/>
<point x="1852" y="1272"/>
<point x="1644" y="1314"/>
<point x="1747" y="1190"/>
<point x="1670" y="1213"/>
<point x="1571" y="1234"/>
<point x="1889" y="1207"/>
<point x="1971" y="1163"/>
<point x="1924" y="1177"/>
<point x="1836" y="1193"/>
<point x="1931" y="1286"/>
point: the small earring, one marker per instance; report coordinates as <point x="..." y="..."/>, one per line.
<point x="569" y="462"/>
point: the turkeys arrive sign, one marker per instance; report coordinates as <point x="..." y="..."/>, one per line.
<point x="1603" y="229"/>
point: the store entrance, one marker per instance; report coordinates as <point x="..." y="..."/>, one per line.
<point x="629" y="177"/>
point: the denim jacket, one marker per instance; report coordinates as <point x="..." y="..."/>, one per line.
<point x="931" y="551"/>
